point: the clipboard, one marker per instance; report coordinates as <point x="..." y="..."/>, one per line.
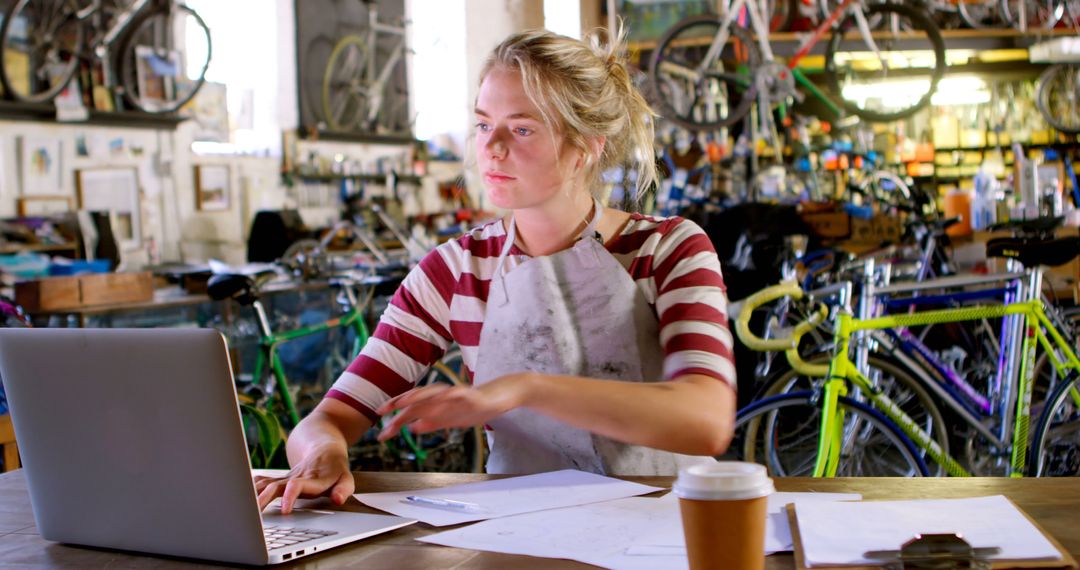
<point x="1067" y="561"/>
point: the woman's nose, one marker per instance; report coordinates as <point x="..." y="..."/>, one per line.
<point x="495" y="147"/>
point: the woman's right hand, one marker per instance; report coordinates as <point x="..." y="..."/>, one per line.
<point x="323" y="471"/>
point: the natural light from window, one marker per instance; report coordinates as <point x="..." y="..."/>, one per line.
<point x="563" y="17"/>
<point x="438" y="75"/>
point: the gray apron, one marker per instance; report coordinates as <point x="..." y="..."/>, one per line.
<point x="576" y="312"/>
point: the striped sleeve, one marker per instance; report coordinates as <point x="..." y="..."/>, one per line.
<point x="691" y="303"/>
<point x="413" y="332"/>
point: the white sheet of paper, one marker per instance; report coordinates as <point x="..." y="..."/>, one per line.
<point x="611" y="534"/>
<point x="777" y="529"/>
<point x="634" y="533"/>
<point x="510" y="496"/>
<point x="840" y="532"/>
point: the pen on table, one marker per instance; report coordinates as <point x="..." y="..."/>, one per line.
<point x="442" y="503"/>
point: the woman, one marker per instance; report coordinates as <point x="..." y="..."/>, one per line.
<point x="595" y="339"/>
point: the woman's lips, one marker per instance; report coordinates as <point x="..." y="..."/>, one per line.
<point x="497" y="177"/>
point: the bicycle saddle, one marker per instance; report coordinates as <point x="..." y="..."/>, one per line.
<point x="1034" y="226"/>
<point x="1033" y="251"/>
<point x="244" y="289"/>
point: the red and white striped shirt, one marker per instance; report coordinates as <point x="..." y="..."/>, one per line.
<point x="443" y="300"/>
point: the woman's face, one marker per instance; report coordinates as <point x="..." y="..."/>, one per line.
<point x="521" y="165"/>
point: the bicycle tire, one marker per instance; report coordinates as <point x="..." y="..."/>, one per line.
<point x="1055" y="447"/>
<point x="670" y="91"/>
<point x="344" y="95"/>
<point x="63" y="72"/>
<point x="1044" y="15"/>
<point x="129" y="60"/>
<point x="802" y="412"/>
<point x="982" y="14"/>
<point x="917" y="24"/>
<point x="781" y="13"/>
<point x="1058" y="97"/>
<point x="899" y="385"/>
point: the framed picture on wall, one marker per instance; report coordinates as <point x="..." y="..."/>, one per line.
<point x="212" y="187"/>
<point x="31" y="206"/>
<point x="113" y="190"/>
<point x="39" y="165"/>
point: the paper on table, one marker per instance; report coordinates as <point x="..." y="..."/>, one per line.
<point x="777" y="529"/>
<point x="628" y="533"/>
<point x="609" y="534"/>
<point x="839" y="533"/>
<point x="511" y="496"/>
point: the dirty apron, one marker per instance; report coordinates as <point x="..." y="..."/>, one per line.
<point x="576" y="312"/>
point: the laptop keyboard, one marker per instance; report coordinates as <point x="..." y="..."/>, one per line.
<point x="283" y="536"/>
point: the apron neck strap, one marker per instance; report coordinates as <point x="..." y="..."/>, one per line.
<point x="589" y="231"/>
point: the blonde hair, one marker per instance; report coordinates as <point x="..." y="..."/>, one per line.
<point x="583" y="91"/>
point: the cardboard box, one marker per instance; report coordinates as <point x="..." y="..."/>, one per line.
<point x="829" y="225"/>
<point x="74" y="292"/>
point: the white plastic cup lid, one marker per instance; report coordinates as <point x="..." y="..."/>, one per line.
<point x="723" y="480"/>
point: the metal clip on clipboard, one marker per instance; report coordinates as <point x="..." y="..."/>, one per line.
<point x="935" y="552"/>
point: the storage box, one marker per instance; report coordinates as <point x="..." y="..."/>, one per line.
<point x="63" y="293"/>
<point x="829" y="225"/>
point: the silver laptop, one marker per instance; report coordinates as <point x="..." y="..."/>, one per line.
<point x="132" y="439"/>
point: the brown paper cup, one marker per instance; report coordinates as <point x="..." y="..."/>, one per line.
<point x="723" y="514"/>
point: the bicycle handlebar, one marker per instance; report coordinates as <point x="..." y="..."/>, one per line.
<point x="792" y="353"/>
<point x="742" y="324"/>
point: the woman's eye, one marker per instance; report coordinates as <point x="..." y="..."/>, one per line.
<point x="523" y="131"/>
<point x="483" y="127"/>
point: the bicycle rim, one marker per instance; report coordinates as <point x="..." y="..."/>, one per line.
<point x="981" y="14"/>
<point x="344" y="94"/>
<point x="782" y="433"/>
<point x="899" y="82"/>
<point x="40" y="43"/>
<point x="1055" y="449"/>
<point x="1038" y="13"/>
<point x="700" y="97"/>
<point x="156" y="75"/>
<point x="1057" y="97"/>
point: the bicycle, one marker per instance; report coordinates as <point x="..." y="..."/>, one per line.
<point x="707" y="71"/>
<point x="1057" y="96"/>
<point x="845" y="428"/>
<point x="43" y="44"/>
<point x="273" y="403"/>
<point x="363" y="85"/>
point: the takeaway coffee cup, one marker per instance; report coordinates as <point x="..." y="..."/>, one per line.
<point x="723" y="514"/>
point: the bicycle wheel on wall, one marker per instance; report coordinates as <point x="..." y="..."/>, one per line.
<point x="893" y="76"/>
<point x="1058" y="97"/>
<point x="698" y="94"/>
<point x="40" y="43"/>
<point x="782" y="433"/>
<point x="156" y="75"/>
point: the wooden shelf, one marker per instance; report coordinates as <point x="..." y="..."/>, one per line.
<point x="312" y="134"/>
<point x="375" y="178"/>
<point x="46" y="112"/>
<point x="37" y="248"/>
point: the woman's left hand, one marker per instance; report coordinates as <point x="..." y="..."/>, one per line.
<point x="440" y="407"/>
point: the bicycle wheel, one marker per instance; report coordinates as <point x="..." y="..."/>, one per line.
<point x="981" y="13"/>
<point x="699" y="94"/>
<point x="1037" y="13"/>
<point x="1058" y="95"/>
<point x="781" y="13"/>
<point x="782" y="432"/>
<point x="345" y="97"/>
<point x="898" y="385"/>
<point x="156" y="76"/>
<point x="899" y="82"/>
<point x="1055" y="447"/>
<point x="40" y="43"/>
